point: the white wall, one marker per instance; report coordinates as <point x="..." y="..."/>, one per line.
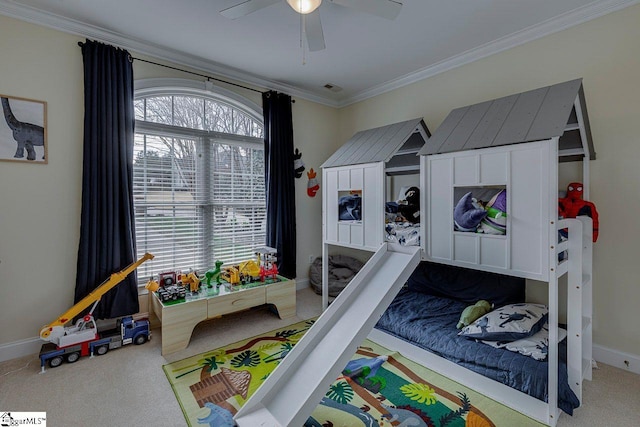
<point x="606" y="53"/>
<point x="40" y="204"/>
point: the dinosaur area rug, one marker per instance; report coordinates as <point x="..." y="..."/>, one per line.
<point x="378" y="387"/>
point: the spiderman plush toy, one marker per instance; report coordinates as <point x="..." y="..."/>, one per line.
<point x="573" y="205"/>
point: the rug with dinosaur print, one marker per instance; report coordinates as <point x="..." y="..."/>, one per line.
<point x="378" y="387"/>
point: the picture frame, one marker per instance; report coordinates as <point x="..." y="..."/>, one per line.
<point x="23" y="130"/>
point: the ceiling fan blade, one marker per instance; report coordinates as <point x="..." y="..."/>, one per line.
<point x="313" y="28"/>
<point x="387" y="9"/>
<point x="246" y="7"/>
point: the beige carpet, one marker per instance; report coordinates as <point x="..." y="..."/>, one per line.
<point x="127" y="387"/>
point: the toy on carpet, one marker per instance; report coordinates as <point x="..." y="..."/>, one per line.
<point x="82" y="338"/>
<point x="495" y="222"/>
<point x="409" y="207"/>
<point x="473" y="313"/>
<point x="468" y="214"/>
<point x="573" y="205"/>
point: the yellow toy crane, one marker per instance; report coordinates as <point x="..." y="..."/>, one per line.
<point x="54" y="331"/>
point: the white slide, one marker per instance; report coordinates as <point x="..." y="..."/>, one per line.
<point x="293" y="390"/>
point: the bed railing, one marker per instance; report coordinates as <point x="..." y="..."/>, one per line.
<point x="573" y="257"/>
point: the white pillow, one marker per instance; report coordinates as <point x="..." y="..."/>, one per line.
<point x="508" y="323"/>
<point x="536" y="346"/>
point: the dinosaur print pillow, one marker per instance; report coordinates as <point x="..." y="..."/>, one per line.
<point x="508" y="323"/>
<point x="536" y="346"/>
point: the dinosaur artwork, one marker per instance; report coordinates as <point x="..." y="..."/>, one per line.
<point x="26" y="135"/>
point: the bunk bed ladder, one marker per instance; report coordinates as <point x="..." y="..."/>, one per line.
<point x="291" y="392"/>
<point x="579" y="310"/>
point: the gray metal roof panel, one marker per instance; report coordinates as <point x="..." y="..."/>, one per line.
<point x="522" y="114"/>
<point x="555" y="112"/>
<point x="491" y="123"/>
<point x="374" y="145"/>
<point x="587" y="125"/>
<point x="529" y="116"/>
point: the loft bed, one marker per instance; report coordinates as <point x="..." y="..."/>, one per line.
<point x="513" y="144"/>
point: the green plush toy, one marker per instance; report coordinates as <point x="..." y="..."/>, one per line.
<point x="473" y="313"/>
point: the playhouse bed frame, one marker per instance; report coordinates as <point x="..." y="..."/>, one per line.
<point x="513" y="143"/>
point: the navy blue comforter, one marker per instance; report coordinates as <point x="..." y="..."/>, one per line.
<point x="430" y="323"/>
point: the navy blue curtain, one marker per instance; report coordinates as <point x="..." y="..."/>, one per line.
<point x="107" y="233"/>
<point x="280" y="180"/>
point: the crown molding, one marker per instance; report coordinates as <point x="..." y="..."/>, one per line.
<point x="586" y="13"/>
<point x="71" y="26"/>
<point x="562" y="22"/>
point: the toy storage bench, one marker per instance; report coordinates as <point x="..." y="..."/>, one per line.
<point x="178" y="318"/>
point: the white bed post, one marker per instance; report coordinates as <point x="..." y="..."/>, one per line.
<point x="552" y="356"/>
<point x="574" y="307"/>
<point x="325" y="276"/>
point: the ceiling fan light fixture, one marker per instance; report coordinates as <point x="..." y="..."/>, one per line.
<point x="304" y="6"/>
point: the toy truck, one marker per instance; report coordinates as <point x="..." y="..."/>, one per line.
<point x="126" y="332"/>
<point x="170" y="287"/>
<point x="83" y="338"/>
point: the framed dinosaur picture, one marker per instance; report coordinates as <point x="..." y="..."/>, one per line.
<point x="23" y="130"/>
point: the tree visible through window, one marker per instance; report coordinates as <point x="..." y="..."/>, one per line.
<point x="199" y="190"/>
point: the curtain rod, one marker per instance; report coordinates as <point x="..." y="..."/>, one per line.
<point x="131" y="58"/>
<point x="198" y="74"/>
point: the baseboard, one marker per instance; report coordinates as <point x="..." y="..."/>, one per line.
<point x="20" y="348"/>
<point x="626" y="361"/>
<point x="302" y="283"/>
<point x="29" y="346"/>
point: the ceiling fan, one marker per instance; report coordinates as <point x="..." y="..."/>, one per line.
<point x="388" y="9"/>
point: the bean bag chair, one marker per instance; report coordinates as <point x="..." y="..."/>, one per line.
<point x="342" y="268"/>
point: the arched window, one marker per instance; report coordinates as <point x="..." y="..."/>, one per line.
<point x="199" y="191"/>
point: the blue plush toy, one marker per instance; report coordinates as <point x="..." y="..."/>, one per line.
<point x="467" y="215"/>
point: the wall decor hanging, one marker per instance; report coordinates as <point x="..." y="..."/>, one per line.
<point x="23" y="130"/>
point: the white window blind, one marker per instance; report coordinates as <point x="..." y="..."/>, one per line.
<point x="199" y="191"/>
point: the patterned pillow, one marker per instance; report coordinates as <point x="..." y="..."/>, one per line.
<point x="536" y="346"/>
<point x="509" y="323"/>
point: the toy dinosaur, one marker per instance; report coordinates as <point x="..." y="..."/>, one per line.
<point x="473" y="313"/>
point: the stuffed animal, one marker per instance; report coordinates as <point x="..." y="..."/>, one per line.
<point x="468" y="214"/>
<point x="473" y="313"/>
<point x="573" y="206"/>
<point x="496" y="220"/>
<point x="298" y="164"/>
<point x="312" y="184"/>
<point x="409" y="207"/>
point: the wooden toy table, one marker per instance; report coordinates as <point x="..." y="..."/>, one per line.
<point x="178" y="318"/>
